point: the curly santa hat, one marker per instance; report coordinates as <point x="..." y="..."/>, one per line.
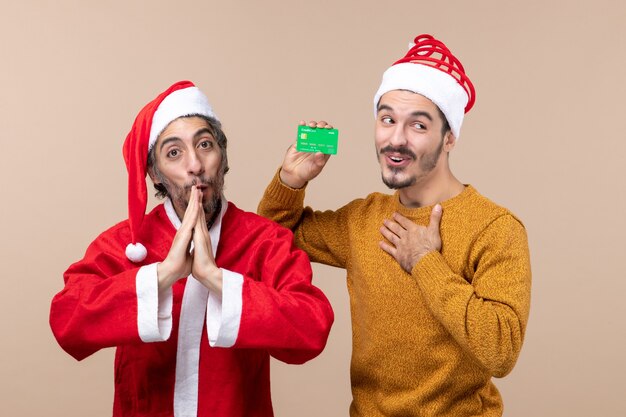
<point x="430" y="69"/>
<point x="181" y="99"/>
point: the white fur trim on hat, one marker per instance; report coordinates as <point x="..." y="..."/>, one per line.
<point x="436" y="85"/>
<point x="180" y="103"/>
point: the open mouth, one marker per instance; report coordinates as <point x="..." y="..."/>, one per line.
<point x="397" y="157"/>
<point x="397" y="160"/>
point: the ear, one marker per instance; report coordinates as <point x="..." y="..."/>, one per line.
<point x="153" y="176"/>
<point x="449" y="140"/>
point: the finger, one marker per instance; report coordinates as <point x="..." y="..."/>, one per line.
<point x="203" y="225"/>
<point x="291" y="153"/>
<point x="191" y="213"/>
<point x="312" y="123"/>
<point x="203" y="231"/>
<point x="199" y="218"/>
<point x="394" y="227"/>
<point x="198" y="238"/>
<point x="389" y="235"/>
<point x="435" y="218"/>
<point x="321" y="124"/>
<point x="302" y="123"/>
<point x="202" y="243"/>
<point x="200" y="222"/>
<point x="184" y="235"/>
<point x="199" y="242"/>
<point x="321" y="158"/>
<point x="387" y="248"/>
<point x="402" y="221"/>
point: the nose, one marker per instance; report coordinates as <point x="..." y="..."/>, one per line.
<point x="194" y="164"/>
<point x="397" y="137"/>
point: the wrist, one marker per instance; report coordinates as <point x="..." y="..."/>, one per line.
<point x="290" y="180"/>
<point x="417" y="258"/>
<point x="165" y="277"/>
<point x="212" y="280"/>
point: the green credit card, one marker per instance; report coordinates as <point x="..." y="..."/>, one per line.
<point x="311" y="139"/>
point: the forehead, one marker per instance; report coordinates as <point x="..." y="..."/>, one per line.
<point x="404" y="101"/>
<point x="182" y="128"/>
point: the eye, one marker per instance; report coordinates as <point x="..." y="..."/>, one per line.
<point x="205" y="144"/>
<point x="173" y="153"/>
<point x="419" y="125"/>
<point x="386" y="120"/>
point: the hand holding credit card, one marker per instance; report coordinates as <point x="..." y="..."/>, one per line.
<point x="312" y="139"/>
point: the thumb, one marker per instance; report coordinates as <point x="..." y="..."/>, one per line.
<point x="435" y="217"/>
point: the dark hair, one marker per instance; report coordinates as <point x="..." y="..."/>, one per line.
<point x="445" y="127"/>
<point x="215" y="127"/>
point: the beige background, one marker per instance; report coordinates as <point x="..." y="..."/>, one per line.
<point x="545" y="139"/>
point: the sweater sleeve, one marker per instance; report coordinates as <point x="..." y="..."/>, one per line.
<point x="323" y="235"/>
<point x="108" y="302"/>
<point x="488" y="316"/>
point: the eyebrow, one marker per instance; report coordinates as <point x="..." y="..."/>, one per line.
<point x="196" y="135"/>
<point x="417" y="113"/>
<point x="203" y="131"/>
<point x="168" y="140"/>
<point x="422" y="113"/>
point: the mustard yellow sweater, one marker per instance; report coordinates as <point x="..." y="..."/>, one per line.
<point x="425" y="343"/>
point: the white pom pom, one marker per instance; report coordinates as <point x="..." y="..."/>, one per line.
<point x="136" y="252"/>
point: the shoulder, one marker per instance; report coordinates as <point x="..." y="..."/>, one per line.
<point x="249" y="222"/>
<point x="118" y="236"/>
<point x="107" y="248"/>
<point x="248" y="237"/>
<point x="483" y="210"/>
<point x="374" y="201"/>
<point x="118" y="232"/>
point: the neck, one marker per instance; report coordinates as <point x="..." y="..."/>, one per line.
<point x="431" y="191"/>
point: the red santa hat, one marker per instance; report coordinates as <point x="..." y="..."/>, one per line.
<point x="430" y="69"/>
<point x="181" y="99"/>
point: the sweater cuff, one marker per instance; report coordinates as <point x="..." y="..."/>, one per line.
<point x="434" y="276"/>
<point x="430" y="266"/>
<point x="446" y="292"/>
<point x="283" y="194"/>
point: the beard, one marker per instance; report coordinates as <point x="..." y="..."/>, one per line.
<point x="180" y="194"/>
<point x="426" y="164"/>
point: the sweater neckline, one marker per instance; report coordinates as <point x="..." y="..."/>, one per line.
<point x="424" y="212"/>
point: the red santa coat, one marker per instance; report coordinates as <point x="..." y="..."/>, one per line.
<point x="188" y="352"/>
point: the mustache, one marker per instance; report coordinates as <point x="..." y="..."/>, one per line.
<point x="206" y="181"/>
<point x="402" y="150"/>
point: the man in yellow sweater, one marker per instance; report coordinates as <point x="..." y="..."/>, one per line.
<point x="438" y="275"/>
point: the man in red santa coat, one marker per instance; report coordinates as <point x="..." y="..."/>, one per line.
<point x="197" y="294"/>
